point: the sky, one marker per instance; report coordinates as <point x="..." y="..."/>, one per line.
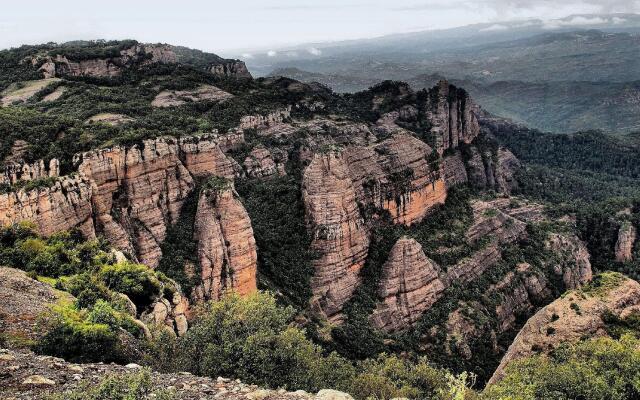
<point x="229" y="27"/>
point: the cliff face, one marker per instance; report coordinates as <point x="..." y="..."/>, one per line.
<point x="571" y="318"/>
<point x="453" y="116"/>
<point x="488" y="172"/>
<point x="337" y="229"/>
<point x="139" y="54"/>
<point x="394" y="175"/>
<point x="235" y="68"/>
<point x="64" y="205"/>
<point x="226" y="246"/>
<point x="624" y="245"/>
<point x="18" y="171"/>
<point x="411" y="283"/>
<point x="129" y="195"/>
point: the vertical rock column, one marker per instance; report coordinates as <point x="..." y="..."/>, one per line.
<point x="339" y="236"/>
<point x="226" y="246"/>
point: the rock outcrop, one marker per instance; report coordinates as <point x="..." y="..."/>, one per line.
<point x="17" y="94"/>
<point x="235" y="68"/>
<point x="454" y="171"/>
<point x="130" y="195"/>
<point x="572" y="262"/>
<point x="19" y="171"/>
<point x="575" y="316"/>
<point x="64" y="205"/>
<point x="22" y="300"/>
<point x="173" y="98"/>
<point x="411" y="283"/>
<point x="265" y="121"/>
<point x="226" y="246"/>
<point x="339" y="235"/>
<point x="260" y="163"/>
<point x="395" y="175"/>
<point x="489" y="171"/>
<point x="624" y="245"/>
<point x="171" y="314"/>
<point x="453" y="116"/>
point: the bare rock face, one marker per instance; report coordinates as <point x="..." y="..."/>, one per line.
<point x="235" y="68"/>
<point x="63" y="206"/>
<point x="488" y="172"/>
<point x="107" y="67"/>
<point x="18" y="171"/>
<point x="137" y="193"/>
<point x="454" y="171"/>
<point x="260" y="163"/>
<point x="573" y="264"/>
<point x="338" y="233"/>
<point x="226" y="246"/>
<point x="624" y="245"/>
<point x="573" y="317"/>
<point x="453" y="116"/>
<point x="265" y="121"/>
<point x="22" y="300"/>
<point x="394" y="175"/>
<point x="169" y="313"/>
<point x="172" y="98"/>
<point x="411" y="284"/>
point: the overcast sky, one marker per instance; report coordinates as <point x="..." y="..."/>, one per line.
<point x="227" y="26"/>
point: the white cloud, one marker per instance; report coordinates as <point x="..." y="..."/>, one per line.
<point x="272" y="53"/>
<point x="618" y="20"/>
<point x="314" y="51"/>
<point x="575" y="21"/>
<point x="495" y="27"/>
<point x="247" y="55"/>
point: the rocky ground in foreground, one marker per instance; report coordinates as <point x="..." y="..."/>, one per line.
<point x="25" y="375"/>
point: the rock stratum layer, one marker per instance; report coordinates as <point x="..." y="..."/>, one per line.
<point x="226" y="246"/>
<point x="338" y="232"/>
<point x="575" y="316"/>
<point x="411" y="283"/>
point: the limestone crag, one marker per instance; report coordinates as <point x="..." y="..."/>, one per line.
<point x="234" y="68"/>
<point x="265" y="121"/>
<point x="624" y="245"/>
<point x="575" y="316"/>
<point x="226" y="246"/>
<point x="260" y="163"/>
<point x="453" y="116"/>
<point x="454" y="171"/>
<point x="170" y="314"/>
<point x="64" y="205"/>
<point x="411" y="283"/>
<point x="173" y="98"/>
<point x="18" y="171"/>
<point x="488" y="172"/>
<point x="395" y="175"/>
<point x="572" y="263"/>
<point x="338" y="232"/>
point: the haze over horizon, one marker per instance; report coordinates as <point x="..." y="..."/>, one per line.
<point x="226" y="29"/>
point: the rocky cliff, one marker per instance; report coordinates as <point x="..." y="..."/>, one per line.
<point x="395" y="175"/>
<point x="575" y="316"/>
<point x="626" y="240"/>
<point x="226" y="246"/>
<point x="453" y="116"/>
<point x="411" y="283"/>
<point x="136" y="55"/>
<point x="338" y="233"/>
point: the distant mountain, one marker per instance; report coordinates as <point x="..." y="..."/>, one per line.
<point x="560" y="75"/>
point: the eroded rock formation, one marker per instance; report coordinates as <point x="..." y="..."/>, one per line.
<point x="411" y="283"/>
<point x="261" y="163"/>
<point x="573" y="317"/>
<point x="338" y="233"/>
<point x="453" y="116"/>
<point x="226" y="246"/>
<point x="19" y="171"/>
<point x="624" y="245"/>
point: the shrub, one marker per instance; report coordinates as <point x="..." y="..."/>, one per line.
<point x="71" y="336"/>
<point x="129" y="386"/>
<point x="596" y="369"/>
<point x="135" y="280"/>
